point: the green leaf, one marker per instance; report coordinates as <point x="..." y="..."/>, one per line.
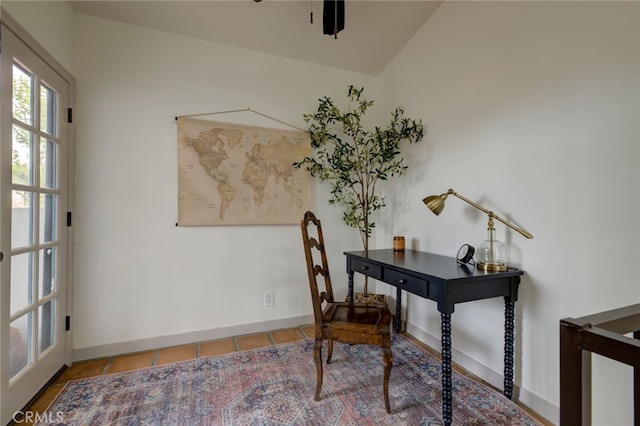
<point x="352" y="158"/>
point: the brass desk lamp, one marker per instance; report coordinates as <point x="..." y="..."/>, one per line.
<point x="491" y="254"/>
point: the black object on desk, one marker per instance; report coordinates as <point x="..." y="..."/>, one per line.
<point x="447" y="282"/>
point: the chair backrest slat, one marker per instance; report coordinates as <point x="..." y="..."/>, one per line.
<point x="314" y="244"/>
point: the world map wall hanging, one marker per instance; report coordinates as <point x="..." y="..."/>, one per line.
<point x="232" y="174"/>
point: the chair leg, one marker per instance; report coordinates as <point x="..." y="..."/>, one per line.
<point x="387" y="358"/>
<point x="329" y="351"/>
<point x="317" y="358"/>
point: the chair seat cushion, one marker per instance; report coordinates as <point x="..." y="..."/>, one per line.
<point x="370" y="298"/>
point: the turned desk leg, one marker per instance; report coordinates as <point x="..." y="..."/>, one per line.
<point x="636" y="388"/>
<point x="397" y="321"/>
<point x="509" y="320"/>
<point x="447" y="409"/>
<point x="350" y="288"/>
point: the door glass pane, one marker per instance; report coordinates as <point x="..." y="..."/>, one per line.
<point x="22" y="152"/>
<point x="20" y="332"/>
<point x="21" y="280"/>
<point x="47" y="323"/>
<point x="22" y="213"/>
<point x="22" y="95"/>
<point x="47" y="110"/>
<point x="48" y="156"/>
<point x="47" y="275"/>
<point x="48" y="215"/>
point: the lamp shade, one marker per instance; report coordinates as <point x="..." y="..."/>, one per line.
<point x="435" y="203"/>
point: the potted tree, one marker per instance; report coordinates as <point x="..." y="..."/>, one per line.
<point x="354" y="160"/>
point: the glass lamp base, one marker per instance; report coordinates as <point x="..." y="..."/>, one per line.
<point x="491" y="256"/>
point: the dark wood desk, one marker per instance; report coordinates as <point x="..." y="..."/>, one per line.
<point x="445" y="281"/>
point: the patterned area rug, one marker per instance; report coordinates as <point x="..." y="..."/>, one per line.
<point x="275" y="386"/>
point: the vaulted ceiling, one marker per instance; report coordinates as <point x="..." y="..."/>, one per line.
<point x="375" y="31"/>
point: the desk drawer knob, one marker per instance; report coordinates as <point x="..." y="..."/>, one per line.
<point x="402" y="281"/>
<point x="365" y="268"/>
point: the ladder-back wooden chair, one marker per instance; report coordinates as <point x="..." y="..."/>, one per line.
<point x="345" y="322"/>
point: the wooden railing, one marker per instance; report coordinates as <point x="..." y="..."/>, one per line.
<point x="603" y="334"/>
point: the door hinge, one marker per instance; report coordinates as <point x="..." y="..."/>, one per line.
<point x="67" y="323"/>
<point x="69" y="115"/>
<point x="69" y="219"/>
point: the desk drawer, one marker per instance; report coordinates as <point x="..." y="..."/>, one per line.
<point x="366" y="268"/>
<point x="407" y="282"/>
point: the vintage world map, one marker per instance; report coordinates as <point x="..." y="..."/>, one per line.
<point x="230" y="174"/>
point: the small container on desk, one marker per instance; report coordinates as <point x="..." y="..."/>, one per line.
<point x="398" y="243"/>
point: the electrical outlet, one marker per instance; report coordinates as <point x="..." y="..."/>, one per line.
<point x="268" y="298"/>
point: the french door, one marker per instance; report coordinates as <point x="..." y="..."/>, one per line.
<point x="34" y="146"/>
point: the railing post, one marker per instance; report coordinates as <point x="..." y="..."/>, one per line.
<point x="575" y="377"/>
<point x="636" y="389"/>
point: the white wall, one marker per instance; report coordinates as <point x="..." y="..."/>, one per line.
<point x="138" y="276"/>
<point x="532" y="110"/>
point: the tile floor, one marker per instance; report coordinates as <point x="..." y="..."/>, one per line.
<point x="126" y="362"/>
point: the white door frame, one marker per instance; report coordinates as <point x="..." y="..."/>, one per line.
<point x="6" y="412"/>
